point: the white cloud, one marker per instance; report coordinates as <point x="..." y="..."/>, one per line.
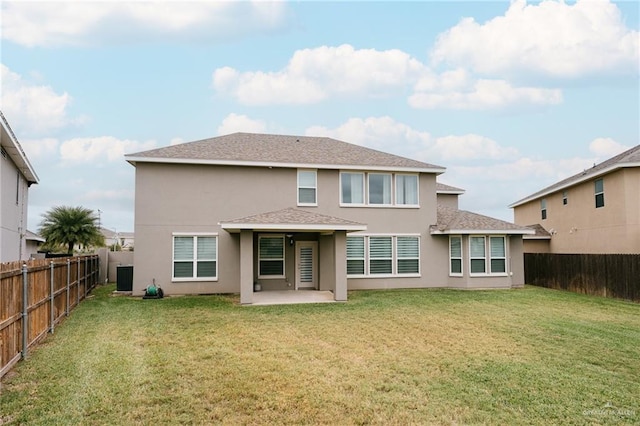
<point x="233" y="123"/>
<point x="90" y="23"/>
<point x="86" y="150"/>
<point x="551" y="38"/>
<point x="605" y="148"/>
<point x="382" y="133"/>
<point x="459" y="92"/>
<point x="39" y="148"/>
<point x="470" y="147"/>
<point x="313" y="75"/>
<point x="176" y="141"/>
<point x="32" y="109"/>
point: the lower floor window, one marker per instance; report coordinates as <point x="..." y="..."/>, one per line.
<point x="271" y="256"/>
<point x="487" y="255"/>
<point x="383" y="255"/>
<point x="195" y="257"/>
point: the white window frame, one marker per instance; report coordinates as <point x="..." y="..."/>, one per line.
<point x="398" y="258"/>
<point x="472" y="258"/>
<point x="364" y="184"/>
<point x="284" y="255"/>
<point x="314" y="187"/>
<point x="543" y="208"/>
<point x="596" y="193"/>
<point x="395" y="184"/>
<point x="195" y="260"/>
<point x="452" y="258"/>
<point x="394" y="257"/>
<point x="565" y="198"/>
<point x="365" y="244"/>
<point x="368" y="190"/>
<point x="491" y="257"/>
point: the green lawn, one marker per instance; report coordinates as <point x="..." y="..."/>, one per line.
<point x="530" y="356"/>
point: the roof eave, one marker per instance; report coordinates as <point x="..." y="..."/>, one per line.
<point x="290" y="227"/>
<point x="137" y="159"/>
<point x="482" y="232"/>
<point x="17" y="154"/>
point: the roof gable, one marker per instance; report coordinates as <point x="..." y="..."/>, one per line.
<point x="629" y="158"/>
<point x="252" y="149"/>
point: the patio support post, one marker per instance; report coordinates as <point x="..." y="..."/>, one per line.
<point x="246" y="266"/>
<point x="340" y="264"/>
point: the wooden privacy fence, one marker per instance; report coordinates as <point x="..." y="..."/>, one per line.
<point x="35" y="296"/>
<point x="608" y="275"/>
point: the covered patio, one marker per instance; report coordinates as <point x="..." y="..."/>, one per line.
<point x="292" y="251"/>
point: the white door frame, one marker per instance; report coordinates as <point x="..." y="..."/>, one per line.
<point x="314" y="264"/>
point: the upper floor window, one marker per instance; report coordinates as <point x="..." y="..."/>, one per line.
<point x="382" y="189"/>
<point x="407" y="190"/>
<point x="352" y="188"/>
<point x="599" y="193"/>
<point x="307" y="188"/>
<point x="195" y="257"/>
<point x="565" y="198"/>
<point x="543" y="208"/>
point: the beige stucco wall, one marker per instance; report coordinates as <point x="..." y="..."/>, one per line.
<point x="13" y="216"/>
<point x="580" y="227"/>
<point x="196" y="198"/>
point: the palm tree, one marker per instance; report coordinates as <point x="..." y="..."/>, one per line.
<point x="69" y="226"/>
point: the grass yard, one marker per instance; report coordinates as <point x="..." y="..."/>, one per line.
<point x="530" y="356"/>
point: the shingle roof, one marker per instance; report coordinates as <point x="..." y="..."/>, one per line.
<point x="279" y="150"/>
<point x="629" y="158"/>
<point x="540" y="233"/>
<point x="454" y="221"/>
<point x="448" y="189"/>
<point x="292" y="219"/>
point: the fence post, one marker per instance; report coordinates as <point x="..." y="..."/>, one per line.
<point x="86" y="284"/>
<point x="25" y="311"/>
<point x="78" y="285"/>
<point x="68" y="283"/>
<point x="52" y="298"/>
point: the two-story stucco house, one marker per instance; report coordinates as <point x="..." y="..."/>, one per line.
<point x="596" y="211"/>
<point x="16" y="176"/>
<point x="292" y="212"/>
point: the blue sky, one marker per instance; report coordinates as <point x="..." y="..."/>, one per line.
<point x="509" y="97"/>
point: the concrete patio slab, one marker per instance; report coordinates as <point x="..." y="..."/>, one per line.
<point x="288" y="297"/>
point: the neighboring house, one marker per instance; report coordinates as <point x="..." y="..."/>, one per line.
<point x="293" y="212"/>
<point x="33" y="243"/>
<point x="16" y="176"/>
<point x="594" y="211"/>
<point x="124" y="240"/>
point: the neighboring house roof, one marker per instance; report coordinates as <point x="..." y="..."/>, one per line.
<point x="12" y="147"/>
<point x="32" y="236"/>
<point x="454" y="221"/>
<point x="292" y="220"/>
<point x="441" y="188"/>
<point x="540" y="233"/>
<point x="252" y="149"/>
<point x="629" y="158"/>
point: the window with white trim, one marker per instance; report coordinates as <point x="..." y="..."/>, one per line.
<point x="498" y="256"/>
<point x="307" y="188"/>
<point x="383" y="255"/>
<point x="271" y="256"/>
<point x="455" y="255"/>
<point x="599" y="193"/>
<point x="543" y="208"/>
<point x="352" y="188"/>
<point x="407" y="190"/>
<point x="355" y="256"/>
<point x="408" y="255"/>
<point x="380" y="255"/>
<point x="565" y="198"/>
<point x="477" y="255"/>
<point x="380" y="188"/>
<point x="195" y="257"/>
